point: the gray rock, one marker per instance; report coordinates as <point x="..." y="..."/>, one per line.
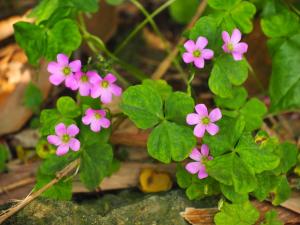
<point x="125" y="208"/>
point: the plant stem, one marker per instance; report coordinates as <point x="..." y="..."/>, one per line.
<point x="142" y="24"/>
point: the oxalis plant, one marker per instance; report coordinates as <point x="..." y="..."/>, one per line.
<point x="220" y="151"/>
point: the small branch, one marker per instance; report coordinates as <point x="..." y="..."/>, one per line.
<point x="60" y="175"/>
<point x="165" y="64"/>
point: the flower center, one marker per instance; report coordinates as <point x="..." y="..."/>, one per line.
<point x="66" y="71"/>
<point x="65" y="138"/>
<point x="205" y="120"/>
<point x="197" y="53"/>
<point x="204" y="159"/>
<point x="230" y="47"/>
<point x="84" y="78"/>
<point x="98" y="116"/>
<point x="104" y="84"/>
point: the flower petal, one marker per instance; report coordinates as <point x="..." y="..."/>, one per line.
<point x="62" y="59"/>
<point x="72" y="130"/>
<point x="75" y="66"/>
<point x="54" y="67"/>
<point x="195" y="155"/>
<point x="115" y="89"/>
<point x="104" y="122"/>
<point x="188" y="57"/>
<point x="110" y="78"/>
<point x="62" y="149"/>
<point x="225" y="49"/>
<point x="95" y="79"/>
<point x="54" y="140"/>
<point x="215" y="115"/>
<point x="84" y="89"/>
<point x="212" y="129"/>
<point x="201" y="42"/>
<point x="225" y="37"/>
<point x="199" y="62"/>
<point x="74" y="144"/>
<point x="236" y="36"/>
<point x="95" y="125"/>
<point x="56" y="79"/>
<point x="237" y="56"/>
<point x="201" y="110"/>
<point x="207" y="53"/>
<point x="106" y="96"/>
<point x="190" y="45"/>
<point x="202" y="172"/>
<point x="192" y="119"/>
<point x="86" y="120"/>
<point x="71" y="82"/>
<point x="199" y="130"/>
<point x="204" y="150"/>
<point x="96" y="91"/>
<point x="241" y="48"/>
<point x="193" y="167"/>
<point x="60" y="129"/>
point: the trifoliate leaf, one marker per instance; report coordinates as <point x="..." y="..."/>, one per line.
<point x="183" y="11"/>
<point x="33" y="97"/>
<point x="143" y="105"/>
<point x="222" y="5"/>
<point x="230" y="194"/>
<point x="238" y="99"/>
<point x="160" y="85"/>
<point x="287" y="152"/>
<point x="170" y="141"/>
<point x="202" y="188"/>
<point x="183" y="177"/>
<point x="282" y="191"/>
<point x="68" y="107"/>
<point x="266" y="182"/>
<point x="238" y="214"/>
<point x="271" y="218"/>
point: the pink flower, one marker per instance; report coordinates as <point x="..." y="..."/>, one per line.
<point x="105" y="88"/>
<point x="84" y="81"/>
<point x="96" y="119"/>
<point x="204" y="121"/>
<point x="62" y="70"/>
<point x="196" y="52"/>
<point x="199" y="165"/>
<point x="64" y="138"/>
<point x="232" y="45"/>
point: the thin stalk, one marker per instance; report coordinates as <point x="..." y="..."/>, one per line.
<point x="142" y="24"/>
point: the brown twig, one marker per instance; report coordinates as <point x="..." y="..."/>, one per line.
<point x="60" y="175"/>
<point x="18" y="184"/>
<point x="165" y="64"/>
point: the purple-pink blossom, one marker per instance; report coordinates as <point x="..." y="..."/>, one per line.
<point x="196" y="52"/>
<point x="105" y="88"/>
<point x="64" y="138"/>
<point x="63" y="70"/>
<point x="201" y="158"/>
<point x="84" y="81"/>
<point x="204" y="121"/>
<point x="96" y="118"/>
<point x="233" y="45"/>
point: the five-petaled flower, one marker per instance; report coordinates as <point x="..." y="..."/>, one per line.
<point x="63" y="70"/>
<point x="96" y="119"/>
<point x="196" y="52"/>
<point x="233" y="45"/>
<point x="84" y="81"/>
<point x="105" y="88"/>
<point x="204" y="121"/>
<point x="65" y="138"/>
<point x="201" y="158"/>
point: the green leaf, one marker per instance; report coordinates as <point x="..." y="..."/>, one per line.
<point x="61" y="190"/>
<point x="68" y="107"/>
<point x="32" y="39"/>
<point x="183" y="177"/>
<point x="225" y="73"/>
<point x="259" y="159"/>
<point x="225" y="141"/>
<point x="284" y="86"/>
<point x="170" y="141"/>
<point x="91" y="6"/>
<point x="88" y="102"/>
<point x="238" y="214"/>
<point x="183" y="11"/>
<point x="222" y="5"/>
<point x="271" y="218"/>
<point x="238" y="99"/>
<point x="63" y="37"/>
<point x="161" y="86"/>
<point x="114" y="2"/>
<point x="202" y="188"/>
<point x="95" y="160"/>
<point x="230" y="194"/>
<point x="44" y="10"/>
<point x="288" y="157"/>
<point x="33" y="97"/>
<point x="143" y="105"/>
<point x="229" y="169"/>
<point x="270" y="25"/>
<point x="177" y="106"/>
<point x="253" y="112"/>
<point x="282" y="191"/>
<point x="3" y="157"/>
<point x="89" y="137"/>
<point x="266" y="182"/>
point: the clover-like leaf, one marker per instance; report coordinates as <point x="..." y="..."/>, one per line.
<point x="143" y="105"/>
<point x="232" y="195"/>
<point x="225" y="73"/>
<point x="282" y="191"/>
<point x="68" y="107"/>
<point x="183" y="11"/>
<point x="170" y="141"/>
<point x="271" y="218"/>
<point x="160" y="85"/>
<point x="287" y="152"/>
<point x="238" y="99"/>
